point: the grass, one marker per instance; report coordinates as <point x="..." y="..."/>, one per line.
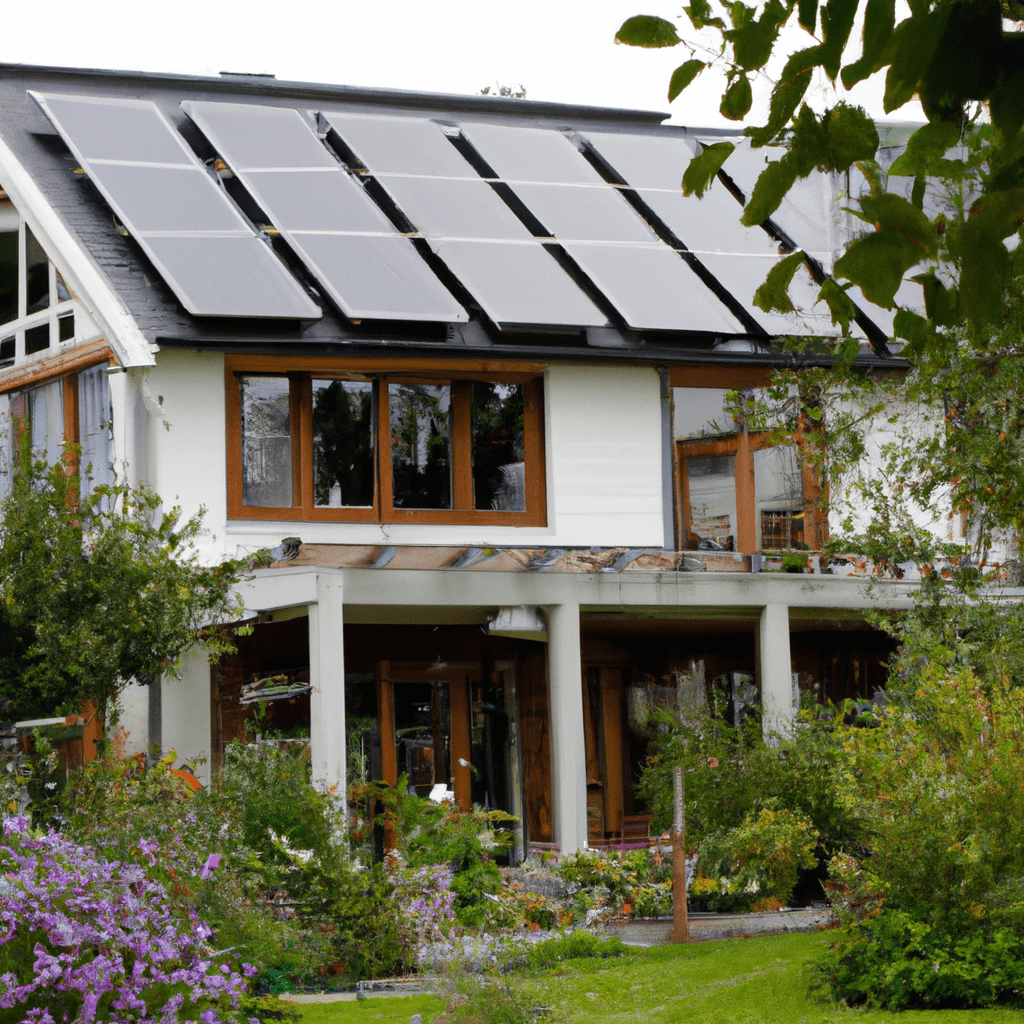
<point x="735" y="981"/>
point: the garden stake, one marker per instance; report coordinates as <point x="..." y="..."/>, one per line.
<point x="680" y="924"/>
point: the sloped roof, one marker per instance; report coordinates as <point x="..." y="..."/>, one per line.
<point x="242" y="212"/>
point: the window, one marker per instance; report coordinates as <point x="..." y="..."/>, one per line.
<point x="738" y="492"/>
<point x="337" y="443"/>
<point x="36" y="310"/>
<point x="75" y="408"/>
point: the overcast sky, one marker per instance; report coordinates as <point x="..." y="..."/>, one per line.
<point x="558" y="50"/>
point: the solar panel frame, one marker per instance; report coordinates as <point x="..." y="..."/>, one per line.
<point x="229" y="271"/>
<point x="487" y="268"/>
<point x="330" y="222"/>
<point x="519" y="154"/>
<point x="653" y="288"/>
<point x="399" y="145"/>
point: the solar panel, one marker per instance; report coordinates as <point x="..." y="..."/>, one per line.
<point x="653" y="288"/>
<point x="803" y="214"/>
<point x="596" y="213"/>
<point x="484" y="244"/>
<point x="519" y="284"/>
<point x="454" y="208"/>
<point x="743" y="274"/>
<point x="647" y="281"/>
<point x="350" y="246"/>
<point x="653" y="166"/>
<point x="208" y="254"/>
<point x="400" y="145"/>
<point x="531" y="154"/>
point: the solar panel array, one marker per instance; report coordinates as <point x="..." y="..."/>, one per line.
<point x="532" y="227"/>
<point x="211" y="257"/>
<point x="360" y="259"/>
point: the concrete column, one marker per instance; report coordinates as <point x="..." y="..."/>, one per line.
<point x="568" y="751"/>
<point x="775" y="671"/>
<point x="327" y="685"/>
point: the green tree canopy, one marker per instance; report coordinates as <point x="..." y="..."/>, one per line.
<point x="98" y="590"/>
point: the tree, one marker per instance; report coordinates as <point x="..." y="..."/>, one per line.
<point x="945" y="216"/>
<point x="933" y="789"/>
<point x="97" y="590"/>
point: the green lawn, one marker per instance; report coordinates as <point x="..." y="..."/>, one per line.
<point x="736" y="981"/>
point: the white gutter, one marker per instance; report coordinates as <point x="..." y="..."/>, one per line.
<point x="86" y="281"/>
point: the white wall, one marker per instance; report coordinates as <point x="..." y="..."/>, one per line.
<point x="185" y="712"/>
<point x="133" y="719"/>
<point x="603" y="461"/>
<point x="183" y="397"/>
<point x="603" y="464"/>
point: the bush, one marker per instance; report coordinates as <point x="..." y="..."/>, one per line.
<point x="88" y="939"/>
<point x="897" y="962"/>
<point x="756" y="861"/>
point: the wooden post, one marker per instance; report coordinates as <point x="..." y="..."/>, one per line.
<point x="680" y="924"/>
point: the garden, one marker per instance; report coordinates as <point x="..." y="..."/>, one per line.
<point x="127" y="895"/>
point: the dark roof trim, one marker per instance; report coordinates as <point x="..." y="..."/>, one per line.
<point x="538" y="353"/>
<point x="265" y="85"/>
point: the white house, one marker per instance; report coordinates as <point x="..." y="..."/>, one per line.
<point x="462" y="363"/>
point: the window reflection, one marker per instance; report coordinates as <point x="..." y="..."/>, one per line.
<point x="420" y="445"/>
<point x="8" y="276"/>
<point x="266" y="442"/>
<point x="343" y="443"/>
<point x="499" y="467"/>
<point x="712" y="489"/>
<point x="37" y="275"/>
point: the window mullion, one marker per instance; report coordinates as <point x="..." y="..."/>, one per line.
<point x="300" y="414"/>
<point x="462" y="447"/>
<point x="385" y="482"/>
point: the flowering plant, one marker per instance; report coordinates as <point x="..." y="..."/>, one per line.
<point x="86" y="939"/>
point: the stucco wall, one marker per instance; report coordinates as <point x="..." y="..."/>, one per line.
<point x="603" y="462"/>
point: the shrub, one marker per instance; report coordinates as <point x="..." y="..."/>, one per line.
<point x="87" y="939"/>
<point x="897" y="962"/>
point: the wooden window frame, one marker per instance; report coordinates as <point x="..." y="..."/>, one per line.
<point x="460" y="375"/>
<point x="742" y="445"/>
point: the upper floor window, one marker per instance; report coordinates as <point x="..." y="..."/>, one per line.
<point x="428" y="446"/>
<point x="74" y="408"/>
<point x="738" y="492"/>
<point x="36" y="310"/>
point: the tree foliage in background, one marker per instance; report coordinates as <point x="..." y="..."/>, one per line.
<point x="945" y="219"/>
<point x="97" y="590"/>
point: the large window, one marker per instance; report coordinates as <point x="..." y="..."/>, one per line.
<point x="74" y="408"/>
<point x="341" y="444"/>
<point x="737" y="491"/>
<point x="36" y="310"/>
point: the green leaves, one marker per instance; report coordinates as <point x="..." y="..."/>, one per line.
<point x="704" y="167"/>
<point x="904" y="237"/>
<point x="774" y="293"/>
<point x="737" y="99"/>
<point x="96" y="590"/>
<point x="985" y="259"/>
<point x="683" y="76"/>
<point x="879" y="20"/>
<point x="753" y="41"/>
<point x="647" y="31"/>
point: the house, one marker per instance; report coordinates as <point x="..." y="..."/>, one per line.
<point x="462" y="364"/>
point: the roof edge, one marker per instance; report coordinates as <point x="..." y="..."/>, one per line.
<point x="263" y="84"/>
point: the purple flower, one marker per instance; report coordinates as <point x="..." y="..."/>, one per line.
<point x="211" y="863"/>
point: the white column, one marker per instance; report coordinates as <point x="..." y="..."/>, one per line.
<point x="568" y="750"/>
<point x="776" y="671"/>
<point x="327" y="685"/>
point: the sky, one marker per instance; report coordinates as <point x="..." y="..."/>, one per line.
<point x="559" y="50"/>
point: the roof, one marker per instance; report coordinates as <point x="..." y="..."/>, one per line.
<point x="245" y="214"/>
